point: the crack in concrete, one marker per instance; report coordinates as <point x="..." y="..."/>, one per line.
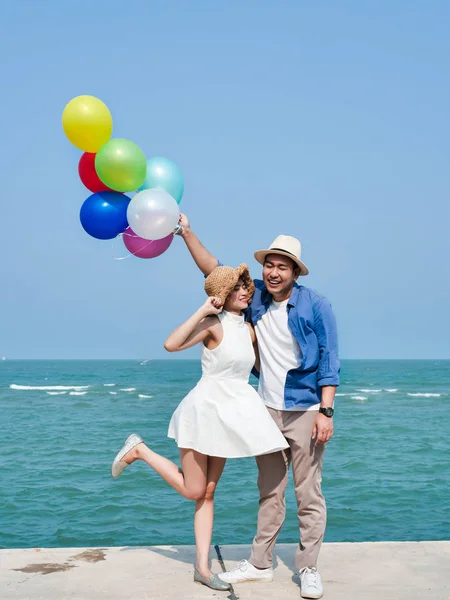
<point x="232" y="595"/>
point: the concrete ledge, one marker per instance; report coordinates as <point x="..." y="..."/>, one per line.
<point x="387" y="570"/>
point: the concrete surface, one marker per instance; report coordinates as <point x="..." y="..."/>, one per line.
<point x="384" y="570"/>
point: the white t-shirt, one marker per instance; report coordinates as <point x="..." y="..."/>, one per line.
<point x="279" y="353"/>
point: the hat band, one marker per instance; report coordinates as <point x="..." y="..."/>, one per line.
<point x="282" y="250"/>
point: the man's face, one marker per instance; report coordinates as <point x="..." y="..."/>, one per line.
<point x="279" y="276"/>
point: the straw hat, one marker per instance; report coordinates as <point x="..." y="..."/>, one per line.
<point x="221" y="281"/>
<point x="285" y="245"/>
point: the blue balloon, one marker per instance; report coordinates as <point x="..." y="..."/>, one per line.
<point x="104" y="215"/>
<point x="163" y="174"/>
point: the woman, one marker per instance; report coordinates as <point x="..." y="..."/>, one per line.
<point x="222" y="417"/>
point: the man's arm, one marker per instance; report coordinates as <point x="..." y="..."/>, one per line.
<point x="327" y="338"/>
<point x="329" y="367"/>
<point x="203" y="258"/>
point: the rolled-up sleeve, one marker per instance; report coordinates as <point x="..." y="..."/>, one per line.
<point x="219" y="264"/>
<point x="327" y="337"/>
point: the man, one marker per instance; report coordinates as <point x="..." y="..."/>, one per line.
<point x="297" y="339"/>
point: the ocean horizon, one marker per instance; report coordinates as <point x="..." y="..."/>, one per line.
<point x="385" y="472"/>
<point x="178" y="357"/>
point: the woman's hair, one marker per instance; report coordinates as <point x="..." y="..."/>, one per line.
<point x="249" y="284"/>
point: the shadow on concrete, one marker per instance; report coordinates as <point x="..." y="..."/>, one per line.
<point x="184" y="554"/>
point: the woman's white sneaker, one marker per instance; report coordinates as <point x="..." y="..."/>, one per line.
<point x="310" y="583"/>
<point x="245" y="571"/>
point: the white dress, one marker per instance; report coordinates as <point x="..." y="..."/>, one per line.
<point x="224" y="415"/>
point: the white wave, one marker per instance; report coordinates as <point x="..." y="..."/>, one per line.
<point x="113" y="393"/>
<point x="13" y="386"/>
<point x="342" y="394"/>
<point x="144" y="396"/>
<point x="391" y="390"/>
<point x="359" y="397"/>
<point x="56" y="393"/>
<point x="425" y="395"/>
<point x="128" y="389"/>
<point x="109" y="384"/>
<point x="367" y="391"/>
<point x="77" y="393"/>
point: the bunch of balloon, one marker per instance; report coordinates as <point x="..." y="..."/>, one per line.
<point x="110" y="167"/>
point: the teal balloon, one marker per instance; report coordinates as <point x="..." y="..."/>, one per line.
<point x="163" y="174"/>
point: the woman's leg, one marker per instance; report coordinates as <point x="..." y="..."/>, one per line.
<point x="189" y="481"/>
<point x="204" y="515"/>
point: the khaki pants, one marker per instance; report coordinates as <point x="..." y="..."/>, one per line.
<point x="273" y="470"/>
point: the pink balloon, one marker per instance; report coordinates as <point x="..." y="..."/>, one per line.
<point x="145" y="248"/>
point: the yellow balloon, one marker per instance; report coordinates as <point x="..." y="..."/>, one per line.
<point x="87" y="123"/>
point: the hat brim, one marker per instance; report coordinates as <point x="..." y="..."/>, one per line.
<point x="223" y="290"/>
<point x="261" y="257"/>
<point x="242" y="271"/>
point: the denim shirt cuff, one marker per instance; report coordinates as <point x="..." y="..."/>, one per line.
<point x="329" y="380"/>
<point x="219" y="264"/>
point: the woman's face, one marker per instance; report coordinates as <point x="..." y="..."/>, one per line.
<point x="238" y="299"/>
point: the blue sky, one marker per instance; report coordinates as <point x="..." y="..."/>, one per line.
<point x="325" y="120"/>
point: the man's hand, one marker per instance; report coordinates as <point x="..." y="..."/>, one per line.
<point x="323" y="429"/>
<point x="184" y="222"/>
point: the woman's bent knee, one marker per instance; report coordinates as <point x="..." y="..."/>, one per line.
<point x="210" y="489"/>
<point x="195" y="493"/>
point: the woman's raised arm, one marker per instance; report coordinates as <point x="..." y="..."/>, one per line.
<point x="196" y="329"/>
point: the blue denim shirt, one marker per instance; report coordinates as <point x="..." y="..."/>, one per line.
<point x="311" y="320"/>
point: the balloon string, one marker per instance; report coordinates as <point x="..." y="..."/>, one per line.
<point x="113" y="252"/>
<point x="130" y="254"/>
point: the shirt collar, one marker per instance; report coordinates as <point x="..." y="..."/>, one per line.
<point x="266" y="298"/>
<point x="294" y="295"/>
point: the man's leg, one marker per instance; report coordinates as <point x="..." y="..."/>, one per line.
<point x="307" y="462"/>
<point x="272" y="481"/>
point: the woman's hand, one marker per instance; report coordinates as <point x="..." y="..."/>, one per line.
<point x="212" y="306"/>
<point x="196" y="329"/>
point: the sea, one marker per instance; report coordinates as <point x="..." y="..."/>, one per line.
<point x="386" y="471"/>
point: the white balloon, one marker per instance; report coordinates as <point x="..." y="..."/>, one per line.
<point x="153" y="214"/>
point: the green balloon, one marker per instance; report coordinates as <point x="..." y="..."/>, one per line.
<point x="121" y="165"/>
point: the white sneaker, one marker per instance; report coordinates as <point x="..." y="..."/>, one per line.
<point x="310" y="583"/>
<point x="245" y="571"/>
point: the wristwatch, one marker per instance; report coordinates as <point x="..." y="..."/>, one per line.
<point x="328" y="411"/>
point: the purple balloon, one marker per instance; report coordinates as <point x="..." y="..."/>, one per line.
<point x="145" y="248"/>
